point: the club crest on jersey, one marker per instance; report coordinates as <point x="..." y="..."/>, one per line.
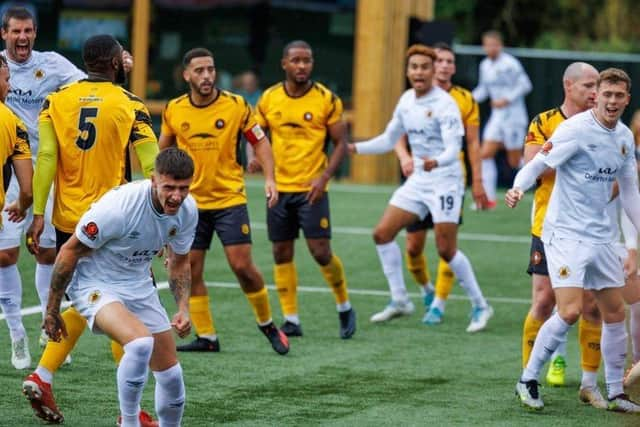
<point x="94" y="297"/>
<point x="184" y="126"/>
<point x="277" y="115"/>
<point x="623" y="150"/>
<point x="308" y="116"/>
<point x="38" y="74"/>
<point x="173" y="231"/>
<point x="324" y="222"/>
<point x="245" y="229"/>
<point x="219" y="124"/>
<point x="546" y="147"/>
<point x="428" y="113"/>
<point x="91" y="230"/>
<point x="564" y="272"/>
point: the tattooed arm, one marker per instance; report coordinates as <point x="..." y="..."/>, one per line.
<point x="62" y="273"/>
<point x="180" y="284"/>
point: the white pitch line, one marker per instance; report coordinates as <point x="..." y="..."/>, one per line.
<point x="315" y="289"/>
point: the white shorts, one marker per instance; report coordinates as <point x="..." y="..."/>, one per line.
<point x="91" y="298"/>
<point x="574" y="263"/>
<point x="443" y="200"/>
<point x="510" y="135"/>
<point x="11" y="232"/>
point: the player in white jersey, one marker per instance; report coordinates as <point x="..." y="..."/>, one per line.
<point x="431" y="119"/>
<point x="589" y="151"/>
<point x="105" y="265"/>
<point x="504" y="81"/>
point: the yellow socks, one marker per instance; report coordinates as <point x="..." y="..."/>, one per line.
<point x="201" y="315"/>
<point x="418" y="268"/>
<point x="55" y="352"/>
<point x="286" y="280"/>
<point x="260" y="303"/>
<point x="444" y="281"/>
<point x="589" y="336"/>
<point x="333" y="274"/>
<point x="117" y="351"/>
<point x="529" y="333"/>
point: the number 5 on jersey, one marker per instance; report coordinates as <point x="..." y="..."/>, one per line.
<point x="87" y="128"/>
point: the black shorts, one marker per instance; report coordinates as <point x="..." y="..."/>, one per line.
<point x="537" y="258"/>
<point x="230" y="224"/>
<point x="61" y="239"/>
<point x="427" y="222"/>
<point x="293" y="212"/>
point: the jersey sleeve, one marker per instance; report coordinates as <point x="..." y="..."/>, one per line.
<point x="181" y="242"/>
<point x="562" y="145"/>
<point x="142" y="130"/>
<point x="261" y="111"/>
<point x="629" y="167"/>
<point x="335" y="110"/>
<point x="101" y="223"/>
<point x="450" y="122"/>
<point x="67" y="72"/>
<point x="480" y="93"/>
<point x="165" y="128"/>
<point x="472" y="113"/>
<point x="535" y="133"/>
<point x="21" y="149"/>
<point x="250" y="127"/>
<point x="522" y="85"/>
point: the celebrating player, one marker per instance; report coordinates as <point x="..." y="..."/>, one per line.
<point x="431" y="119"/>
<point x="85" y="129"/>
<point x="207" y="123"/>
<point x="300" y="113"/>
<point x="589" y="152"/>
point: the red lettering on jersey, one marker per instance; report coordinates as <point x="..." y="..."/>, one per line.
<point x="254" y="135"/>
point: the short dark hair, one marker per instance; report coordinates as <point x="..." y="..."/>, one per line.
<point x="493" y="34"/>
<point x="295" y="44"/>
<point x="197" y="52"/>
<point x="17" y="12"/>
<point x="614" y="76"/>
<point x="98" y="51"/>
<point x="175" y="163"/>
<point x="443" y="46"/>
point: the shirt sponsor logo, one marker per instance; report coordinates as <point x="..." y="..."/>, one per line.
<point x="91" y="230"/>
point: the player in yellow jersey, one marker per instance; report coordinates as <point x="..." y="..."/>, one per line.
<point x="85" y="128"/>
<point x="300" y="114"/>
<point x="207" y="123"/>
<point x="14" y="149"/>
<point x="579" y="84"/>
<point x="444" y="70"/>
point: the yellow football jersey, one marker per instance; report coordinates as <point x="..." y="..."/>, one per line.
<point x="540" y="129"/>
<point x="14" y="143"/>
<point x="94" y="122"/>
<point x="298" y="132"/>
<point x="470" y="113"/>
<point x="211" y="135"/>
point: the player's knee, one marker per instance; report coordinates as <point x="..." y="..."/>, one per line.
<point x="139" y="348"/>
<point x="282" y="254"/>
<point x="414" y="248"/>
<point x="543" y="304"/>
<point x="322" y="255"/>
<point x="382" y="236"/>
<point x="570" y="314"/>
<point x="8" y="257"/>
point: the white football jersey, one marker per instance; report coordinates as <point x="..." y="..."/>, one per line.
<point x="504" y="78"/>
<point x="126" y="232"/>
<point x="31" y="82"/>
<point x="587" y="157"/>
<point x="432" y="122"/>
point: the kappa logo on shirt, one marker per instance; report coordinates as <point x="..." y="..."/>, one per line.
<point x="91" y="230"/>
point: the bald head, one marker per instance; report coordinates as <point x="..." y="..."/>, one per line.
<point x="579" y="82"/>
<point x="576" y="70"/>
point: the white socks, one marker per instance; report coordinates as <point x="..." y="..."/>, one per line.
<point x="461" y="267"/>
<point x="391" y="261"/>
<point x="614" y="353"/>
<point x="634" y="325"/>
<point x="562" y="348"/>
<point x="169" y="396"/>
<point x="490" y="178"/>
<point x="551" y="334"/>
<point x="11" y="300"/>
<point x="132" y="375"/>
<point x="43" y="281"/>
